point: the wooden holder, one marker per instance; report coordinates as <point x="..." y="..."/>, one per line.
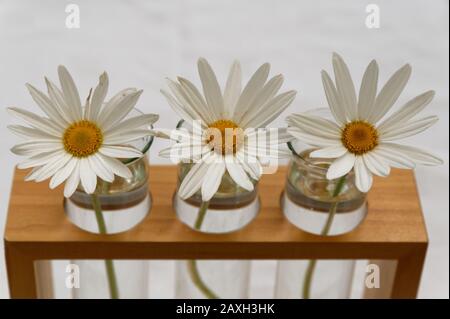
<point x="393" y="234"/>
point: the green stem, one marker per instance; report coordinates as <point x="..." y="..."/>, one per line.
<point x="307" y="281"/>
<point x="201" y="215"/>
<point x="192" y="264"/>
<point x="109" y="265"/>
<point x="291" y="147"/>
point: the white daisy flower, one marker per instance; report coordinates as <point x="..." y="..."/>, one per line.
<point x="75" y="143"/>
<point x="358" y="140"/>
<point x="227" y="137"/>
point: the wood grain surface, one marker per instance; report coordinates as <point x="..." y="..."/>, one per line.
<point x="37" y="229"/>
<point x="36" y="219"/>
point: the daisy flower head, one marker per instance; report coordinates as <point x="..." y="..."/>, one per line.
<point x="74" y="143"/>
<point x="226" y="129"/>
<point x="360" y="137"/>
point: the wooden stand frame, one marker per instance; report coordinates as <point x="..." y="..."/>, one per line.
<point x="393" y="234"/>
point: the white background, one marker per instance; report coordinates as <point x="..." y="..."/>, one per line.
<point x="139" y="43"/>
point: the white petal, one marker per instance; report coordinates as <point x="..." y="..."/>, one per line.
<point x="29" y="132"/>
<point x="417" y="155"/>
<point x="47" y="106"/>
<point x="267" y="152"/>
<point x="193" y="180"/>
<point x="51" y="169"/>
<point x="34" y="148"/>
<point x="111" y="105"/>
<point x="57" y="97"/>
<point x="282" y="136"/>
<point x="390" y="93"/>
<point x="193" y="100"/>
<point x="250" y="91"/>
<point x="87" y="176"/>
<point x="117" y="151"/>
<point x="168" y="152"/>
<point x="363" y="177"/>
<point x="376" y="164"/>
<point x="126" y="136"/>
<point x="178" y="108"/>
<point x="232" y="89"/>
<point x="403" y="130"/>
<point x="181" y="134"/>
<point x="407" y="111"/>
<point x="237" y="173"/>
<point x="368" y="90"/>
<point x="116" y="166"/>
<point x="315" y="125"/>
<point x="140" y="121"/>
<point x="121" y="109"/>
<point x="73" y="180"/>
<point x="181" y="151"/>
<point x="91" y="112"/>
<point x="211" y="89"/>
<point x="270" y="110"/>
<point x="313" y="139"/>
<point x="250" y="164"/>
<point x="36" y="121"/>
<point x="345" y="87"/>
<point x="185" y="99"/>
<point x="276" y="151"/>
<point x="59" y="159"/>
<point x="333" y="99"/>
<point x="70" y="91"/>
<point x="61" y="175"/>
<point x="393" y="156"/>
<point x="329" y="152"/>
<point x="32" y="173"/>
<point x="37" y="160"/>
<point x="212" y="179"/>
<point x="269" y="136"/>
<point x="260" y="102"/>
<point x="255" y="151"/>
<point x="100" y="168"/>
<point x="341" y="166"/>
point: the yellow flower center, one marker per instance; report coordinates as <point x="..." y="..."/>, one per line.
<point x="82" y="138"/>
<point x="359" y="137"/>
<point x="224" y="136"/>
